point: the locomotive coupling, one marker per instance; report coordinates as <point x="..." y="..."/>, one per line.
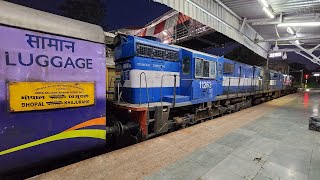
<point x="120" y="129"/>
<point x="182" y="121"/>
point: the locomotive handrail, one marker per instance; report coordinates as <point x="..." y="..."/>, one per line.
<point x="145" y="79"/>
<point x="252" y="86"/>
<point x="229" y="88"/>
<point x="245" y="80"/>
<point x="119" y="94"/>
<point x="148" y="102"/>
<point x="239" y="85"/>
<point x="255" y="85"/>
<point x="174" y="88"/>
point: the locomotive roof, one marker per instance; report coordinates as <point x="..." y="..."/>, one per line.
<point x="27" y="18"/>
<point x="194" y="51"/>
<point x="207" y="54"/>
<point x="152" y="42"/>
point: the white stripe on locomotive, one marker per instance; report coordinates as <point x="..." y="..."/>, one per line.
<point x="153" y="79"/>
<point x="273" y="82"/>
<point x="234" y="81"/>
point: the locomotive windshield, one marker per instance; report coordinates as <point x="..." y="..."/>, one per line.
<point x="205" y="68"/>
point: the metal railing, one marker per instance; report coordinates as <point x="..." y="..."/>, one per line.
<point x="119" y="94"/>
<point x="148" y="100"/>
<point x="189" y="29"/>
<point x="146" y="82"/>
<point x="174" y="88"/>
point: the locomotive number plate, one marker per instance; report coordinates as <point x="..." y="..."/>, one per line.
<point x="30" y="96"/>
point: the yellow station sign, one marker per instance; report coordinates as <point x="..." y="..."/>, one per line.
<point x="29" y="96"/>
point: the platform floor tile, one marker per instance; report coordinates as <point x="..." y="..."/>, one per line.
<point x="266" y="142"/>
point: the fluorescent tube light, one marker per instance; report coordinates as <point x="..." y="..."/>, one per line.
<point x="165" y="32"/>
<point x="290" y="30"/>
<point x="276" y="54"/>
<point x="299" y="24"/>
<point x="268" y="12"/>
<point x="264" y="3"/>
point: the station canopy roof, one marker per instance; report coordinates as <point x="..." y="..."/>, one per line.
<point x="296" y="11"/>
<point x="263" y="26"/>
<point x="294" y="28"/>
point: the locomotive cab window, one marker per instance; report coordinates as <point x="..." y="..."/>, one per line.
<point x="213" y="66"/>
<point x="206" y="66"/>
<point x="186" y="65"/>
<point x="198" y="67"/>
<point x="205" y="69"/>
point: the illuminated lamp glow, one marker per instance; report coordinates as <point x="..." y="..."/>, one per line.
<point x="264" y="3"/>
<point x="268" y="12"/>
<point x="302" y="24"/>
<point x="165" y="42"/>
<point x="290" y="30"/>
<point x="276" y="54"/>
<point x="165" y="33"/>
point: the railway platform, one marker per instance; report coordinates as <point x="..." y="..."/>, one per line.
<point x="268" y="141"/>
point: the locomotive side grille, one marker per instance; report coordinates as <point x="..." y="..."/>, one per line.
<point x="145" y="50"/>
<point x="159" y="53"/>
<point x="172" y="55"/>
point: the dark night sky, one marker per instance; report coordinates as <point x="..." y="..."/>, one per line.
<point x="293" y="57"/>
<point x="119" y="13"/>
<point x="130" y="13"/>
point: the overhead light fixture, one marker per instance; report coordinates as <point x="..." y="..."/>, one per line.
<point x="264" y="3"/>
<point x="276" y="48"/>
<point x="284" y="56"/>
<point x="268" y="12"/>
<point x="165" y="32"/>
<point x="316" y="75"/>
<point x="299" y="24"/>
<point x="291" y="30"/>
<point x="276" y="54"/>
<point x="297" y="42"/>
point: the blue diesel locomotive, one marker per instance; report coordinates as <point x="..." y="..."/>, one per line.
<point x="162" y="87"/>
<point x="53" y="88"/>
